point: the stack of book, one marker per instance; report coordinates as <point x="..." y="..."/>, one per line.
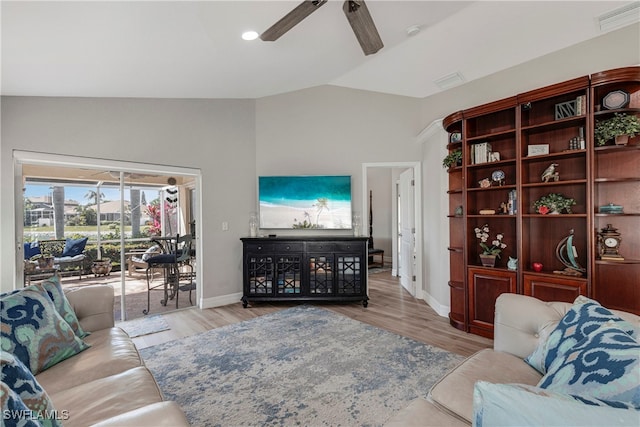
<point x="480" y="153"/>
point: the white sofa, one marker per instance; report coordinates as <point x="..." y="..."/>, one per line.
<point x="520" y="321"/>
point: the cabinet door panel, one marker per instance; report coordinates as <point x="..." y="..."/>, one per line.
<point x="485" y="285"/>
<point x="349" y="274"/>
<point x="554" y="288"/>
<point x="321" y="270"/>
<point x="260" y="273"/>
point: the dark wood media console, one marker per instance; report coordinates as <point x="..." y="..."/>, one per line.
<point x="312" y="268"/>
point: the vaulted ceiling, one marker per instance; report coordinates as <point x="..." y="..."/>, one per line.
<point x="183" y="49"/>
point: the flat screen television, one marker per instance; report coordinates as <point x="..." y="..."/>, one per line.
<point x="320" y="202"/>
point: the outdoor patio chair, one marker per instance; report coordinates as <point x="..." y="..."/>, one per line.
<point x="137" y="259"/>
<point x="175" y="261"/>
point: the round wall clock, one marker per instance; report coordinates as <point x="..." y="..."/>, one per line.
<point x="615" y="100"/>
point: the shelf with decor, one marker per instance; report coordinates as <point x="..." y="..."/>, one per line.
<point x="453" y="163"/>
<point x="615" y="95"/>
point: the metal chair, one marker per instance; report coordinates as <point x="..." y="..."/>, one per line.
<point x="175" y="258"/>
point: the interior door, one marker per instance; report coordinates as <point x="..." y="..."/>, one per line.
<point x="407" y="231"/>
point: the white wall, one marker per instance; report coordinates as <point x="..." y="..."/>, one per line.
<point x="332" y="130"/>
<point x="323" y="130"/>
<point x="215" y="136"/>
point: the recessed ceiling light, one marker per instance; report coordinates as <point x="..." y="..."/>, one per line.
<point x="413" y="30"/>
<point x="249" y="35"/>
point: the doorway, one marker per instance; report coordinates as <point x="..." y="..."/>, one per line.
<point x="115" y="205"/>
<point x="384" y="182"/>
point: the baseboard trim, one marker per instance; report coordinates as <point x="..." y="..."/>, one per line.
<point x="442" y="310"/>
<point x="222" y="300"/>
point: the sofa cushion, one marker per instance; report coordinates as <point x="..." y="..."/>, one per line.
<point x="20" y="379"/>
<point x="100" y="399"/>
<point x="421" y="412"/>
<point x="54" y="290"/>
<point x="73" y="247"/>
<point x="14" y="412"/>
<point x="515" y="405"/>
<point x="111" y="352"/>
<point x="454" y="392"/>
<point x="604" y="365"/>
<point x="161" y="414"/>
<point x="34" y="331"/>
<point x="584" y="317"/>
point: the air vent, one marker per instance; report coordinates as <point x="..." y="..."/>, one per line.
<point x="452" y="80"/>
<point x="620" y="17"/>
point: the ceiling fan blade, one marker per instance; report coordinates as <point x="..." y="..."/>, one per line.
<point x="363" y="26"/>
<point x="291" y="19"/>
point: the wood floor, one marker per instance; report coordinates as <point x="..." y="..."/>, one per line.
<point x="390" y="307"/>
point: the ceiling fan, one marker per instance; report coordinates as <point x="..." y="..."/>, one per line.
<point x="357" y="14"/>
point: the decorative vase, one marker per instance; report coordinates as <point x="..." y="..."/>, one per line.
<point x="488" y="260"/>
<point x="356" y="224"/>
<point x="253" y="224"/>
<point x="101" y="267"/>
<point x="622" y="139"/>
<point x="45" y="262"/>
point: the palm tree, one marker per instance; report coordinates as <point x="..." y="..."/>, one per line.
<point x="94" y="195"/>
<point x="58" y="211"/>
<point x="322" y="204"/>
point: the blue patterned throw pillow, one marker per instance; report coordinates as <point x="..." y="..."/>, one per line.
<point x="605" y="365"/>
<point x="54" y="290"/>
<point x="14" y="412"/>
<point x="20" y="379"/>
<point x="584" y="317"/>
<point x="522" y="405"/>
<point x="33" y="330"/>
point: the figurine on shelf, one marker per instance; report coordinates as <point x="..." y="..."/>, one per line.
<point x="484" y="183"/>
<point x="550" y="173"/>
<point x="512" y="264"/>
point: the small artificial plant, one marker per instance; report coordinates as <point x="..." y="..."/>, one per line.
<point x="453" y="158"/>
<point x="553" y="203"/>
<point x="482" y="233"/>
<point x="619" y="124"/>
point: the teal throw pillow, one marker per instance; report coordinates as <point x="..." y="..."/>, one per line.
<point x="605" y="365"/>
<point x="54" y="289"/>
<point x="14" y="412"/>
<point x="33" y="330"/>
<point x="584" y="317"/>
<point x="20" y="379"/>
<point x="520" y="405"/>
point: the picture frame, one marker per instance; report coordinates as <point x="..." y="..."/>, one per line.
<point x="537" y="149"/>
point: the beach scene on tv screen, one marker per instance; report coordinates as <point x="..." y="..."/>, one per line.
<point x="299" y="202"/>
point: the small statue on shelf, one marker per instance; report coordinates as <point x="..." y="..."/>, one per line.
<point x="550" y="173"/>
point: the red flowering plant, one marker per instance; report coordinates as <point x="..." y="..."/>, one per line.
<point x="155" y="227"/>
<point x="553" y="203"/>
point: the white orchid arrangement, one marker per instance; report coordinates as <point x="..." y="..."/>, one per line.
<point x="497" y="245"/>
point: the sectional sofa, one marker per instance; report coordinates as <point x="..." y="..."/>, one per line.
<point x="87" y="372"/>
<point x="552" y="363"/>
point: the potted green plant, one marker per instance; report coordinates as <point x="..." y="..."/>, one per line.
<point x="553" y="203"/>
<point x="454" y="158"/>
<point x="616" y="127"/>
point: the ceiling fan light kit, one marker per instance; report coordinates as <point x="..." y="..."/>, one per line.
<point x="356" y="12"/>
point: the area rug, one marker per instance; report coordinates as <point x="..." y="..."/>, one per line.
<point x="377" y="270"/>
<point x="144" y="326"/>
<point x="300" y="366"/>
